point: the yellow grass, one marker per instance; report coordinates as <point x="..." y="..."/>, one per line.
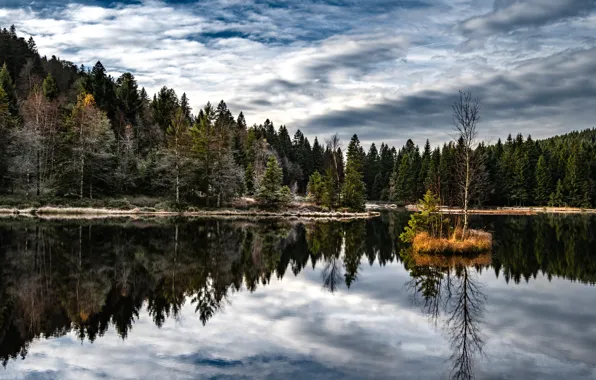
<point x="451" y="261"/>
<point x="476" y="241"/>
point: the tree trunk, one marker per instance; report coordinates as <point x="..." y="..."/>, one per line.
<point x="466" y="194"/>
<point x="38" y="172"/>
<point x="82" y="174"/>
<point x="177" y="183"/>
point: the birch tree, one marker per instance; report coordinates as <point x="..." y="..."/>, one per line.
<point x="36" y="140"/>
<point x="178" y="140"/>
<point x="470" y="168"/>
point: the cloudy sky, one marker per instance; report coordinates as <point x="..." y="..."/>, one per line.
<point x="387" y="70"/>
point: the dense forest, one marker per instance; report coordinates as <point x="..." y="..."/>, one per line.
<point x="77" y="133"/>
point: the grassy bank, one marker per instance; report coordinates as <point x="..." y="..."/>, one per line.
<point x="476" y="241"/>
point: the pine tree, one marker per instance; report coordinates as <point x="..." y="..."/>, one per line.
<point x="331" y="185"/>
<point x="556" y="198"/>
<point x="353" y="192"/>
<point x="9" y="88"/>
<point x="315" y="188"/>
<point x="185" y="105"/>
<point x="318" y="157"/>
<point x="387" y="164"/>
<point x="249" y="179"/>
<point x="576" y="182"/>
<point x="129" y="100"/>
<point x="164" y="106"/>
<point x="543" y="182"/>
<point x="239" y="141"/>
<point x="399" y="187"/>
<point x="520" y="179"/>
<point x="425" y="164"/>
<point x="271" y="192"/>
<point x="50" y="89"/>
<point x="356" y="154"/>
<point x="372" y="168"/>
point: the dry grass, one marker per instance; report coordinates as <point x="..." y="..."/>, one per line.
<point x="451" y="261"/>
<point x="477" y="241"/>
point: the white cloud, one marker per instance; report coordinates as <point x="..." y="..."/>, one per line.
<point x="303" y="61"/>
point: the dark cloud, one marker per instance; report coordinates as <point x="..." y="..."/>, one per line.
<point x="367" y="55"/>
<point x="561" y="87"/>
<point x="510" y="15"/>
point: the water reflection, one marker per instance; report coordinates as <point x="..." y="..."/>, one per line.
<point x="58" y="277"/>
<point x="451" y="294"/>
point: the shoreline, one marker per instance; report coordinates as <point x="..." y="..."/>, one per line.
<point x="511" y="210"/>
<point x="93" y="213"/>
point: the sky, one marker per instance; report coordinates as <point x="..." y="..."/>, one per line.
<point x="387" y="70"/>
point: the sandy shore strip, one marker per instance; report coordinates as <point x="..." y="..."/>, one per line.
<point x="89" y="213"/>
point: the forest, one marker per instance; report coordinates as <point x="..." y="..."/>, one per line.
<point x="76" y="133"/>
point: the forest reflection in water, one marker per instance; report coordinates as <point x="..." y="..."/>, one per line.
<point x="59" y="277"/>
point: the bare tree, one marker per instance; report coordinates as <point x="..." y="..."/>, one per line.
<point x="470" y="168"/>
<point x="36" y="139"/>
<point x="91" y="138"/>
<point x="334" y="144"/>
<point x="178" y="143"/>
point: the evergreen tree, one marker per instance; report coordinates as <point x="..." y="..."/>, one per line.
<point x="249" y="179"/>
<point x="356" y="154"/>
<point x="9" y="88"/>
<point x="520" y="179"/>
<point x="185" y="105"/>
<point x="353" y="193"/>
<point x="399" y="187"/>
<point x="50" y="89"/>
<point x="387" y="164"/>
<point x="372" y="169"/>
<point x="164" y="106"/>
<point x="271" y="192"/>
<point x="316" y="188"/>
<point x="318" y="157"/>
<point x="425" y="164"/>
<point x="331" y="185"/>
<point x="129" y="101"/>
<point x="543" y="182"/>
<point x="556" y="198"/>
<point x="239" y="141"/>
<point x="576" y="182"/>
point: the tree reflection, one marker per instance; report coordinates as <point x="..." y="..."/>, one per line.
<point x="87" y="277"/>
<point x="452" y="296"/>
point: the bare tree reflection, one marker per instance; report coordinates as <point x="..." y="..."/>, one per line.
<point x="452" y="296"/>
<point x="465" y="314"/>
<point x="332" y="274"/>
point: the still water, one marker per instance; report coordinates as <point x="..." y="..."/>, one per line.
<point x="191" y="299"/>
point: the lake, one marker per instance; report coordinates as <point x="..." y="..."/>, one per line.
<point x="191" y="299"/>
